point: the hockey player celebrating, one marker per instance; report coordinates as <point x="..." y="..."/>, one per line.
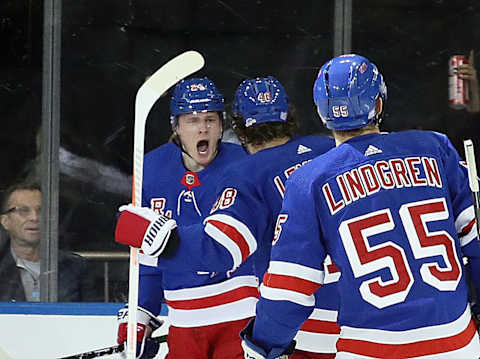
<point x="276" y="153"/>
<point x="395" y="213"/>
<point x="236" y="237"/>
<point x="179" y="182"/>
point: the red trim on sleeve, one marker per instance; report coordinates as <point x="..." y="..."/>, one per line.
<point x="232" y="233"/>
<point x="320" y="326"/>
<point x="467" y="229"/>
<point x="287" y="282"/>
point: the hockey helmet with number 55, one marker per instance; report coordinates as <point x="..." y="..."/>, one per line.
<point x="260" y="100"/>
<point x="195" y="95"/>
<point x="346" y="92"/>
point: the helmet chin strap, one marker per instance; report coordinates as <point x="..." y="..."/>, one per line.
<point x="177" y="141"/>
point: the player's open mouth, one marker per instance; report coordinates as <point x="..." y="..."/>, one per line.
<point x="202" y="147"/>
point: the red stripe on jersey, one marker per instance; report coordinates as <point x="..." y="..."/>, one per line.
<point x="232" y="233"/>
<point x="320" y="326"/>
<point x="294" y="284"/>
<point x="332" y="268"/>
<point x="410" y="350"/>
<point x="467" y="229"/>
<point x="214" y="300"/>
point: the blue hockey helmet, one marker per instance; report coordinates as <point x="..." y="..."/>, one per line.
<point x="260" y="100"/>
<point x="195" y="95"/>
<point x="346" y="91"/>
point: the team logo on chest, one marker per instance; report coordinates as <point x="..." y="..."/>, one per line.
<point x="190" y="180"/>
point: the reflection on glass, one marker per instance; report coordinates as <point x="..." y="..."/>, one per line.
<point x="106" y="55"/>
<point x="98" y="95"/>
<point x="411" y="44"/>
<point x="20" y="107"/>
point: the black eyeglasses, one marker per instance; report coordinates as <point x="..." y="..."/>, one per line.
<point x="22" y="211"/>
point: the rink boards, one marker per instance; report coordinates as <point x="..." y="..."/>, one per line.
<point x="56" y="330"/>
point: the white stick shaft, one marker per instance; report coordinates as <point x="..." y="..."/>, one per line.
<point x="473" y="179"/>
<point x="472" y="168"/>
<point x="168" y="75"/>
<point x="141" y="113"/>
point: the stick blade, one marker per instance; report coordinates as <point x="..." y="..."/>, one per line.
<point x="168" y="75"/>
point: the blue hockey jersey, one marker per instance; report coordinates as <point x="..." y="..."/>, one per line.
<point x="394" y="212"/>
<point x="237" y="235"/>
<point x="170" y="189"/>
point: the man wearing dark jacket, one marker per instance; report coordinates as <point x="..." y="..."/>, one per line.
<point x="20" y="253"/>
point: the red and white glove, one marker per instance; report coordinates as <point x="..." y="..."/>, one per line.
<point x="142" y="227"/>
<point x="146" y="324"/>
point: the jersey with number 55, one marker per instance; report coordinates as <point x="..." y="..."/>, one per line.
<point x="394" y="212"/>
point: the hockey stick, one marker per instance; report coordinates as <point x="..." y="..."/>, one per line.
<point x="168" y="75"/>
<point x="109" y="350"/>
<point x="473" y="179"/>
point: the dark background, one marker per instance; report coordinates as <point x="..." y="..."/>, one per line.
<point x="110" y="46"/>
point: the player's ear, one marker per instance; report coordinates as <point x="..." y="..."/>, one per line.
<point x="174" y="129"/>
<point x="221" y="118"/>
<point x="379" y="105"/>
<point x="174" y="136"/>
<point x="174" y="124"/>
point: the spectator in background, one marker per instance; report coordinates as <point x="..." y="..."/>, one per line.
<point x="468" y="72"/>
<point x="461" y="125"/>
<point x="20" y="253"/>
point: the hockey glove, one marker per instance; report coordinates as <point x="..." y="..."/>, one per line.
<point x="146" y="324"/>
<point x="141" y="227"/>
<point x="252" y="351"/>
